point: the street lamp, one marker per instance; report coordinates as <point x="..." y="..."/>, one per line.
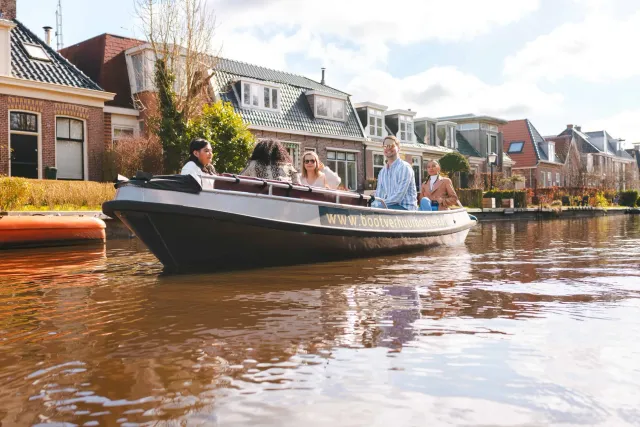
<point x="492" y="162"/>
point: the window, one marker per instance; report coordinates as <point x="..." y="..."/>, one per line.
<point x="344" y="164"/>
<point x="375" y="123"/>
<point x="557" y="178"/>
<point x="329" y="108"/>
<point x="294" y="152"/>
<point x="516" y="147"/>
<point x="432" y="134"/>
<point x="543" y="175"/>
<point x="36" y="52"/>
<point x="70" y="148"/>
<point x="468" y="126"/>
<point x="415" y="163"/>
<point x="552" y="152"/>
<point x="406" y="128"/>
<point x="23" y="145"/>
<point x="309" y="149"/>
<point x="24" y="122"/>
<point x="378" y="164"/>
<point x="488" y="127"/>
<point x="492" y="144"/>
<point x="549" y="181"/>
<point x="452" y="132"/>
<point x="120" y="132"/>
<point x="260" y="96"/>
<point x="137" y="63"/>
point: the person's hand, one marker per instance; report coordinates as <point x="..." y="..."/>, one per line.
<point x="321" y="166"/>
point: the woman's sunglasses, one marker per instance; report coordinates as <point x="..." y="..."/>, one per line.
<point x="309" y="160"/>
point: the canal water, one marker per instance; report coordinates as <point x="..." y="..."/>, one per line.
<point x="528" y="324"/>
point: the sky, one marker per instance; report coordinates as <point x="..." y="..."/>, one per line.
<point x="555" y="62"/>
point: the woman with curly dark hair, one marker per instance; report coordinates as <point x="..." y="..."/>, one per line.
<point x="270" y="160"/>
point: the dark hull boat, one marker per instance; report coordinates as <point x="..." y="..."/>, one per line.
<point x="238" y="222"/>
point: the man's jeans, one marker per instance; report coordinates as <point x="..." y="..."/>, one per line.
<point x="397" y="207"/>
<point x="425" y="204"/>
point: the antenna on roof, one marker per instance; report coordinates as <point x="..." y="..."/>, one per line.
<point x="59" y="42"/>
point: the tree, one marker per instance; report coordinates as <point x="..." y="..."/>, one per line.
<point x="169" y="124"/>
<point x="454" y="162"/>
<point x="231" y="141"/>
<point x="180" y="32"/>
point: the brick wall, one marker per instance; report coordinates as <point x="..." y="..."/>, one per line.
<point x="48" y="110"/>
<point x="320" y="145"/>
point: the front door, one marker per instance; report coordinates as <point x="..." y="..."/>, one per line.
<point x="24" y="155"/>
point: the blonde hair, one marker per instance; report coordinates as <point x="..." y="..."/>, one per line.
<point x="315" y="156"/>
<point x="437" y="163"/>
<point x="394" y="139"/>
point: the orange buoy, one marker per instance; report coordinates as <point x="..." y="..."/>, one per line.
<point x="39" y="231"/>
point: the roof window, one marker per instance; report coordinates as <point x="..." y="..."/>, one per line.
<point x="36" y="52"/>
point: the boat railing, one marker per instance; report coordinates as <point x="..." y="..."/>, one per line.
<point x="286" y="189"/>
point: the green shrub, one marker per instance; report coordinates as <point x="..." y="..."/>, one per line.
<point x="628" y="198"/>
<point x="14" y="193"/>
<point x="470" y="197"/>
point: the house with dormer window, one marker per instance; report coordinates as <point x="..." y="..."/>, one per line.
<point x="537" y="159"/>
<point x="53" y="111"/>
<point x="302" y="113"/>
<point x="604" y="160"/>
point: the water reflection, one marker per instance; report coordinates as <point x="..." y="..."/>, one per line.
<point x="530" y="323"/>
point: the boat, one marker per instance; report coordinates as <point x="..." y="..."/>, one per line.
<point x="226" y="221"/>
<point x="42" y="231"/>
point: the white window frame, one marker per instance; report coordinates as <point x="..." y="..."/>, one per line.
<point x="259" y="87"/>
<point x="488" y="127"/>
<point x="408" y="128"/>
<point x="85" y="144"/>
<point x="376" y="115"/>
<point x="330" y="100"/>
<point x="344" y="182"/>
<point x="468" y="126"/>
<point x="121" y="127"/>
<point x="558" y="178"/>
<point x="379" y="167"/>
<point x="549" y="179"/>
<point x="552" y="152"/>
<point x="295" y="155"/>
<point x="27" y="45"/>
<point x="147" y="71"/>
<point x="18" y="132"/>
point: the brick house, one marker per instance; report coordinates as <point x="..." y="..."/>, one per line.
<point x="603" y="161"/>
<point x="51" y="114"/>
<point x="103" y="59"/>
<point x="300" y="112"/>
<point x="537" y="159"/>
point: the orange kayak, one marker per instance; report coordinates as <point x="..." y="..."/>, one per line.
<point x="39" y="231"/>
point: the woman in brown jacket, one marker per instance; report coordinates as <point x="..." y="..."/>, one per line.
<point x="437" y="189"/>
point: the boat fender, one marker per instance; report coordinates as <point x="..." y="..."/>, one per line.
<point x="236" y="178"/>
<point x="372" y="199"/>
<point x="264" y="183"/>
<point x="473" y="218"/>
<point x="309" y="189"/>
<point x="289" y="189"/>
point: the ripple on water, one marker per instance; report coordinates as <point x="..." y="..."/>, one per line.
<point x="529" y="323"/>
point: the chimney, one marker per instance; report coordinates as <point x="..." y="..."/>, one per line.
<point x="47" y="35"/>
<point x="579" y="128"/>
<point x="322" y="81"/>
<point x="5" y="39"/>
<point x="8" y="9"/>
<point x="569" y="126"/>
<point x="637" y="146"/>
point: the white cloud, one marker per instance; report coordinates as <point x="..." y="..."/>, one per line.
<point x="441" y="91"/>
<point x="597" y="49"/>
<point x="620" y="125"/>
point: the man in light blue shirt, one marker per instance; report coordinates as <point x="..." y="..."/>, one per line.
<point x="396" y="182"/>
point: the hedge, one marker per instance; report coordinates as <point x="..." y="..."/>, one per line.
<point x="32" y="194"/>
<point x="470" y="197"/>
<point x="628" y="198"/>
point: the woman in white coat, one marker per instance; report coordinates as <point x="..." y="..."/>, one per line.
<point x="199" y="164"/>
